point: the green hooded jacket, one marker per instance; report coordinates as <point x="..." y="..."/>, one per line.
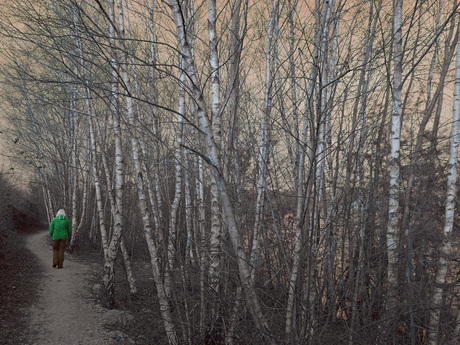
<point x="60" y="228"/>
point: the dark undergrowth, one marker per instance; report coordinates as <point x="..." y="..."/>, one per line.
<point x="146" y="327"/>
<point x="19" y="270"/>
<point x="19" y="276"/>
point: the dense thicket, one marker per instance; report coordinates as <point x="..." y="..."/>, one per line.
<point x="19" y="214"/>
<point x="18" y="209"/>
<point x="288" y="166"/>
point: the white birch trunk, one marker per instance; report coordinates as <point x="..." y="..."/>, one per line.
<point x="188" y="209"/>
<point x="97" y="185"/>
<point x="154" y="186"/>
<point x="288" y="129"/>
<point x="310" y="284"/>
<point x="457" y="325"/>
<point x="46" y="201"/>
<point x="84" y="198"/>
<point x="203" y="246"/>
<point x="330" y="212"/>
<point x="216" y="226"/>
<point x="443" y="264"/>
<point x="178" y="181"/>
<point x="45" y="184"/>
<point x="393" y="203"/>
<point x="106" y="237"/>
<point x="300" y="190"/>
<point x="363" y="95"/>
<point x="90" y="147"/>
<point x="74" y="189"/>
<point x="431" y="102"/>
<point x="108" y="293"/>
<point x="244" y="270"/>
<point x="231" y="153"/>
<point x="163" y="289"/>
<point x="262" y="161"/>
<point x="128" y="270"/>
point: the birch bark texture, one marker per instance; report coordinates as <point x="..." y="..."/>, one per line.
<point x="451" y="196"/>
<point x="248" y="212"/>
<point x="395" y="141"/>
<point x="212" y="159"/>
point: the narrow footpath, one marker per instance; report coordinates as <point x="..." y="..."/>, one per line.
<point x="64" y="312"/>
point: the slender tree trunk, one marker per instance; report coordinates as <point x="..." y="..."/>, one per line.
<point x="189" y="245"/>
<point x="215" y="250"/>
<point x="203" y="247"/>
<point x="264" y="144"/>
<point x="172" y="235"/>
<point x="330" y="226"/>
<point x="41" y="164"/>
<point x="162" y="288"/>
<point x="363" y="97"/>
<point x="213" y="161"/>
<point x="432" y="101"/>
<point x="154" y="186"/>
<point x="97" y="185"/>
<point x="74" y="169"/>
<point x="300" y="189"/>
<point x="231" y="153"/>
<point x="446" y="246"/>
<point x="393" y="211"/>
<point x="84" y="200"/>
<point x="456" y="334"/>
<point x="108" y="290"/>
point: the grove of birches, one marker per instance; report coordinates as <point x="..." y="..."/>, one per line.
<point x="287" y="168"/>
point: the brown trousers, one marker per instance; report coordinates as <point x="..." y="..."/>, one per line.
<point x="58" y="252"/>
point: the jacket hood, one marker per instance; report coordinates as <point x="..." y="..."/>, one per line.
<point x="61" y="212"/>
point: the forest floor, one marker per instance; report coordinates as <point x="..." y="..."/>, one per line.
<point x="45" y="305"/>
<point x="40" y="304"/>
<point x="64" y="311"/>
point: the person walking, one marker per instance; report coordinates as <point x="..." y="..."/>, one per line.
<point x="60" y="230"/>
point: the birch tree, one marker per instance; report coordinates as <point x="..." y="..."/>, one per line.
<point x="215" y="254"/>
<point x="264" y="141"/>
<point x="301" y="189"/>
<point x="213" y="161"/>
<point x="245" y="209"/>
<point x="363" y="92"/>
<point x="446" y="244"/>
<point x="163" y="290"/>
<point x="395" y="132"/>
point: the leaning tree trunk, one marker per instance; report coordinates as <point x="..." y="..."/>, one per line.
<point x="162" y="287"/>
<point x="84" y="200"/>
<point x="212" y="159"/>
<point x="74" y="170"/>
<point x="443" y="264"/>
<point x="47" y="200"/>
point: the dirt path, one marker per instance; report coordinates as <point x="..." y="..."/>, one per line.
<point x="64" y="312"/>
